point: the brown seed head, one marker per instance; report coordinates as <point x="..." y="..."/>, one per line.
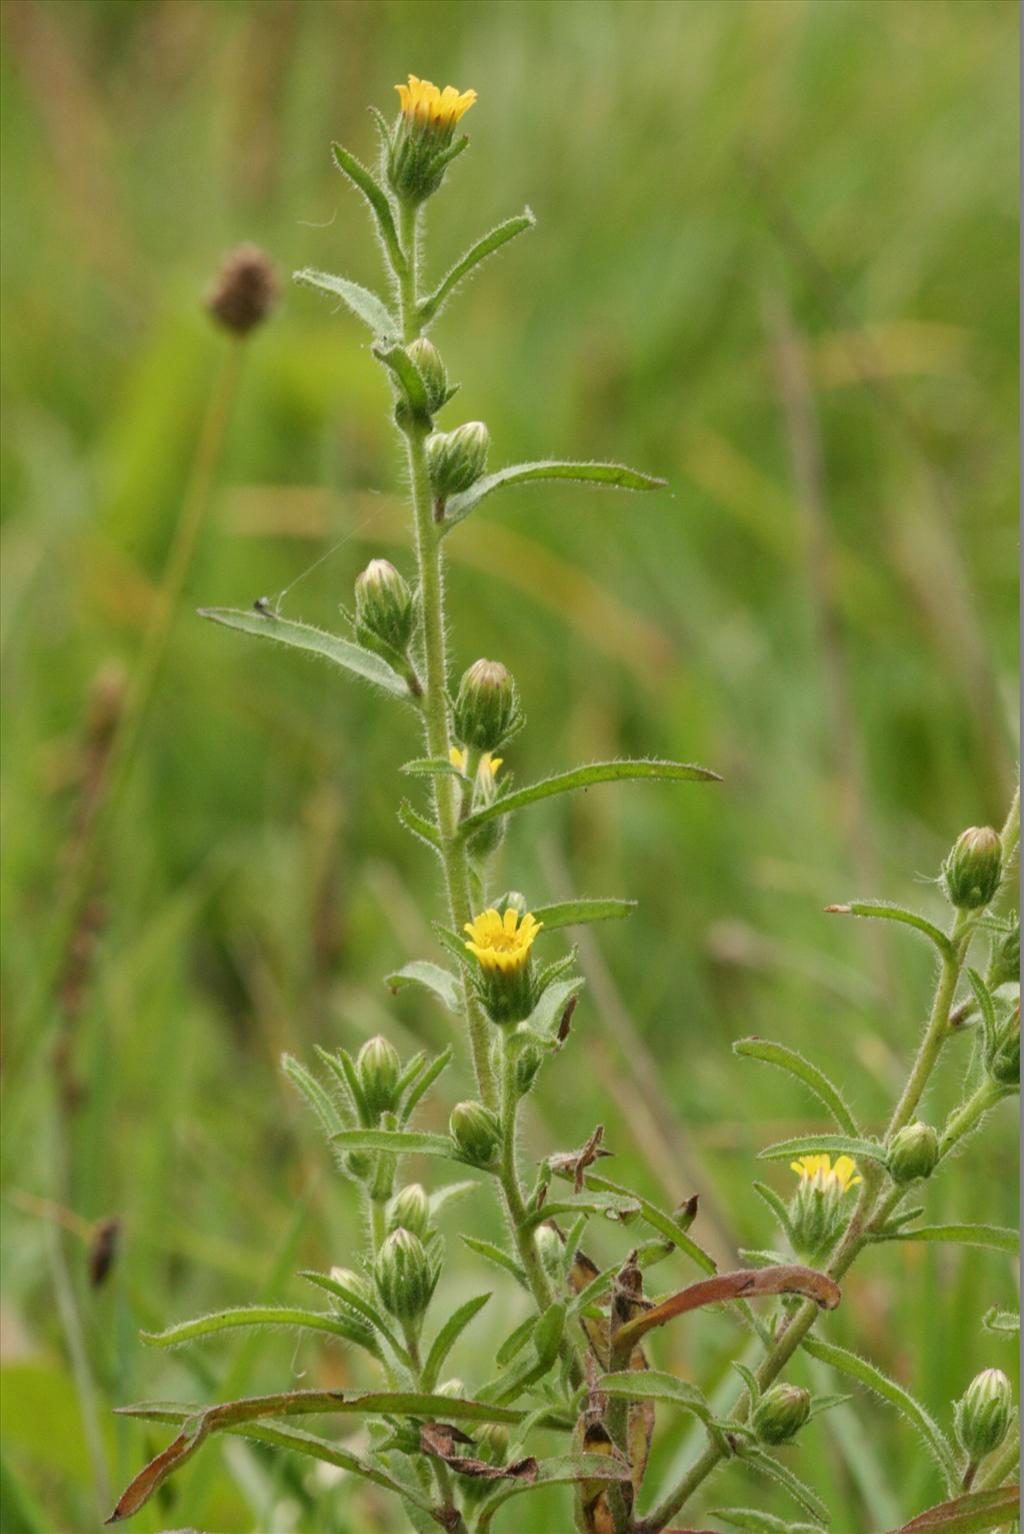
<point x="244" y="290"/>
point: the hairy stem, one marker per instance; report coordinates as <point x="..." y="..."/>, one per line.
<point x="435" y="686"/>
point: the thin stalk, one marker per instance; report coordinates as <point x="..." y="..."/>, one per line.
<point x="435" y="683"/>
<point x="508" y="1176"/>
<point x="442" y="1475"/>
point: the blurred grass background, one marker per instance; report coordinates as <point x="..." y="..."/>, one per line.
<point x="775" y="261"/>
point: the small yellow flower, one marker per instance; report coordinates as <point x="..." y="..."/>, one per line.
<point x="819" y="1170"/>
<point x="488" y="763"/>
<point x="424" y="106"/>
<point x="502" y="943"/>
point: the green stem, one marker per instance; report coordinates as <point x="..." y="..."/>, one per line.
<point x="435" y="683"/>
<point x="969" y="1114"/>
<point x="1002" y="1464"/>
<point x="508" y="1176"/>
<point x="871" y="1208"/>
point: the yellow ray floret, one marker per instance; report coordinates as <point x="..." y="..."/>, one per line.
<point x="488" y="763"/>
<point x="502" y="942"/>
<point x="819" y="1169"/>
<point x="427" y="107"/>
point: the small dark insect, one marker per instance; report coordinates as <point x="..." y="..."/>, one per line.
<point x="265" y="606"/>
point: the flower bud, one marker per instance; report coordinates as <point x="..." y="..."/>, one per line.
<point x="1004" y="1060"/>
<point x="550" y="1249"/>
<point x="384" y="605"/>
<point x="982" y="1415"/>
<point x="427" y="361"/>
<point x="972" y="872"/>
<point x="245" y="290"/>
<point x="410" y="1210"/>
<point x="816" y="1210"/>
<point x="528" y="1063"/>
<point x="456" y="458"/>
<point x="487" y="705"/>
<point x="405" y="1275"/>
<point x="781" y="1413"/>
<point x="1005" y="966"/>
<point x="913" y="1152"/>
<point x="379" y="1068"/>
<point x="476" y="1132"/>
<point x="420" y="146"/>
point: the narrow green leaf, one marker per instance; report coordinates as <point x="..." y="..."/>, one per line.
<point x="433" y="766"/>
<point x="435" y="1069"/>
<point x="885" y="912"/>
<point x="792" y="1061"/>
<point x="608" y="1204"/>
<point x="500" y="1259"/>
<point x="762" y="1523"/>
<point x="572" y="913"/>
<point x="491" y="242"/>
<point x="835" y="1145"/>
<point x="976" y="1513"/>
<point x="663" y="1223"/>
<point x="983" y="996"/>
<point x="350" y="1297"/>
<point x="375" y="195"/>
<point x="423" y="975"/>
<point x="865" y="1373"/>
<point x="306" y="1083"/>
<point x="407" y="375"/>
<point x="654" y="1385"/>
<point x="613" y="476"/>
<point x="515" y="1341"/>
<point x="424" y="830"/>
<point x="998" y="1238"/>
<point x="547" y="1014"/>
<point x="585" y="777"/>
<point x="400" y="1142"/>
<point x="299" y="1441"/>
<point x="776" y="1205"/>
<point x="448" y="1336"/>
<point x="302" y="636"/>
<point x="366" y="306"/>
<point x="250" y="1315"/>
<point x="801" y="1493"/>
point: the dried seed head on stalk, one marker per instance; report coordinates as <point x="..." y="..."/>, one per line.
<point x="244" y="290"/>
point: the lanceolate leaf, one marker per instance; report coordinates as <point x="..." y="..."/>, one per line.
<point x="330" y="1453"/>
<point x="585" y="777"/>
<point x="613" y="476"/>
<point x="573" y="913"/>
<point x="884" y="912"/>
<point x="801" y="1494"/>
<point x="835" y="1145"/>
<point x="376" y="197"/>
<point x="500" y="1259"/>
<point x="975" y="1513"/>
<point x="653" y="1385"/>
<point x="999" y="1238"/>
<point x="407" y="375"/>
<point x="610" y="1204"/>
<point x="865" y="1373"/>
<point x="747" y="1283"/>
<point x="441" y="983"/>
<point x="302" y="636"/>
<point x="447" y="1337"/>
<point x="792" y="1061"/>
<point x="762" y="1523"/>
<point x="659" y="1221"/>
<point x="366" y="306"/>
<point x="492" y="241"/>
<point x="200" y="1424"/>
<point x="400" y="1142"/>
<point x="253" y="1315"/>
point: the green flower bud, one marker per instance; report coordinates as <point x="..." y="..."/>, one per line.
<point x="354" y="1281"/>
<point x="528" y="1063"/>
<point x="358" y="1164"/>
<point x="982" y="1415"/>
<point x="1004" y="1060"/>
<point x="456" y="458"/>
<point x="405" y="1275"/>
<point x="428" y="363"/>
<point x="384" y="605"/>
<point x="487" y="705"/>
<point x="972" y="872"/>
<point x="379" y="1069"/>
<point x="1005" y="966"/>
<point x="913" y="1152"/>
<point x="410" y="1210"/>
<point x="476" y="1132"/>
<point x="781" y="1413"/>
<point x="551" y="1250"/>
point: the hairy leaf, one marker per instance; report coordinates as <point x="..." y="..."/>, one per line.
<point x="375" y="195"/>
<point x="975" y="1513"/>
<point x="835" y="1145"/>
<point x="999" y="1238"/>
<point x="885" y="912"/>
<point x="654" y="1385"/>
<point x="572" y="913"/>
<point x="663" y="1223"/>
<point x="566" y="1469"/>
<point x="490" y="242"/>
<point x="441" y="983"/>
<point x="747" y="1283"/>
<point x="400" y="1142"/>
<point x="448" y="1336"/>
<point x="366" y="306"/>
<point x="303" y="636"/>
<point x="254" y="1315"/>
<point x="792" y="1061"/>
<point x="776" y="1471"/>
<point x="610" y="1204"/>
<point x="614" y="476"/>
<point x="585" y="777"/>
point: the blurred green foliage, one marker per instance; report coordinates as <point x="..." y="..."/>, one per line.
<point x="775" y="261"/>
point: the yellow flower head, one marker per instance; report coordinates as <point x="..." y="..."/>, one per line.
<point x="820" y="1171"/>
<point x="502" y="943"/>
<point x="424" y="106"/>
<point x="488" y="763"/>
